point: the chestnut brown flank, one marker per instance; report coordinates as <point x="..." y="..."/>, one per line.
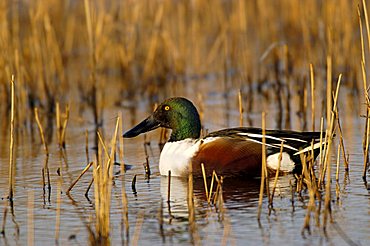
<point x="229" y="156"/>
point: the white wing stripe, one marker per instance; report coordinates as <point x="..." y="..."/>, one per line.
<point x="315" y="146"/>
<point x="271" y="145"/>
<point x="296" y="139"/>
<point x="253" y="135"/>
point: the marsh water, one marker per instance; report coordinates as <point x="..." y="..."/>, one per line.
<point x="106" y="57"/>
<point x="152" y="221"/>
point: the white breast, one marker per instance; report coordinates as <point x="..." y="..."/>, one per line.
<point x="176" y="156"/>
<point x="286" y="164"/>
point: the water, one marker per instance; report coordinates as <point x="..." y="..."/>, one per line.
<point x="151" y="220"/>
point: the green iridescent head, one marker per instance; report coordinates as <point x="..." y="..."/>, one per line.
<point x="178" y="114"/>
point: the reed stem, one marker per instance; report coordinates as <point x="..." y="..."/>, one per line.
<point x="263" y="169"/>
<point x="11" y="146"/>
<point x="205" y="180"/>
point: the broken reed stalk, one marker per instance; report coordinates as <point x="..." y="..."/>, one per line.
<point x="103" y="175"/>
<point x="361" y="34"/>
<point x="123" y="179"/>
<point x="337" y="185"/>
<point x="211" y="187"/>
<point x="365" y="140"/>
<point x="277" y="173"/>
<point x="327" y="210"/>
<point x="341" y="143"/>
<point x="103" y="144"/>
<point x="366" y="23"/>
<point x="321" y="140"/>
<point x="42" y="136"/>
<point x="330" y="132"/>
<point x="322" y="151"/>
<point x="263" y="169"/>
<point x="367" y="124"/>
<point x="64" y="128"/>
<point x="312" y="79"/>
<point x="329" y="76"/>
<point x="241" y="110"/>
<point x="79" y="177"/>
<point x="11" y="145"/>
<point x="57" y="119"/>
<point x="30" y="218"/>
<point x="89" y="187"/>
<point x="45" y="169"/>
<point x="205" y="180"/>
<point x="215" y="197"/>
<point x="337" y="170"/>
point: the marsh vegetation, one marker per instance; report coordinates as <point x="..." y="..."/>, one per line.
<point x="75" y="74"/>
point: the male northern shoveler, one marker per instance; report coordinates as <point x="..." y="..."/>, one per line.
<point x="232" y="151"/>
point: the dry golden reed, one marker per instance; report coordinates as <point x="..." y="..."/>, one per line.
<point x="103" y="178"/>
<point x="11" y="145"/>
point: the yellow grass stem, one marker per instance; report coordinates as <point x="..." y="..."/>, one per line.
<point x="79" y="177"/>
<point x="103" y="145"/>
<point x="277" y="172"/>
<point x="341" y="143"/>
<point x="312" y="79"/>
<point x="11" y="145"/>
<point x="365" y="141"/>
<point x="46" y="167"/>
<point x="241" y="110"/>
<point x="103" y="175"/>
<point x="264" y="168"/>
<point x="337" y="170"/>
<point x="64" y="128"/>
<point x="321" y="142"/>
<point x="57" y="119"/>
<point x="361" y="36"/>
<point x="366" y="23"/>
<point x="211" y="187"/>
<point x="327" y="163"/>
<point x="205" y="180"/>
<point x="329" y="101"/>
<point x="42" y="136"/>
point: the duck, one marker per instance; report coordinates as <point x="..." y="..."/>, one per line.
<point x="229" y="152"/>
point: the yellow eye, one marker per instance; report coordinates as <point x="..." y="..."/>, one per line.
<point x="166" y="107"/>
